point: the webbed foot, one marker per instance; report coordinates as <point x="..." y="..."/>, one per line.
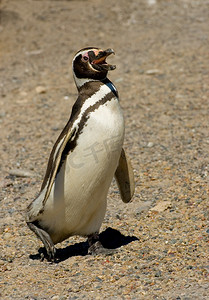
<point x="96" y="247"/>
<point x="50" y="252"/>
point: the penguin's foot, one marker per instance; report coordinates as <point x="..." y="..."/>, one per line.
<point x="46" y="240"/>
<point x="96" y="247"/>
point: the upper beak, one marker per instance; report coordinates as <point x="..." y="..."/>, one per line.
<point x="102" y="55"/>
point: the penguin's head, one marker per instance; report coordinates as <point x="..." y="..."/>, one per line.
<point x="90" y="64"/>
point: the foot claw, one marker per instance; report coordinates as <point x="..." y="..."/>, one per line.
<point x="48" y="255"/>
<point x="97" y="248"/>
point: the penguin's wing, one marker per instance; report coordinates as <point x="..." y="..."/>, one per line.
<point x="66" y="136"/>
<point x="124" y="176"/>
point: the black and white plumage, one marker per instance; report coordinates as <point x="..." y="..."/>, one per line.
<point x="84" y="159"/>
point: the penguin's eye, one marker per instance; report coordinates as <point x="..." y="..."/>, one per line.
<point x="85" y="58"/>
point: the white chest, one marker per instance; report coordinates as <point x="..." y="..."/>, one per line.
<point x="101" y="137"/>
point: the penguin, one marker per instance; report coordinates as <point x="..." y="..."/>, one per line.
<point x="86" y="156"/>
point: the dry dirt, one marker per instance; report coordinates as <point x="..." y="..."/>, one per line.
<point x="162" y="60"/>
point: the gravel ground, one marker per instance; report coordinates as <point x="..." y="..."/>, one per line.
<point x="162" y="58"/>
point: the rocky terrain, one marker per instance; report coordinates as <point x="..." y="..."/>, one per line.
<point x="162" y="58"/>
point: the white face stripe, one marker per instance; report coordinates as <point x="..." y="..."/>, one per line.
<point x="85" y="51"/>
<point x="81" y="52"/>
<point x="81" y="81"/>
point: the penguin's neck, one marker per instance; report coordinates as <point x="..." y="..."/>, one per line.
<point x="91" y="87"/>
<point x="92" y="93"/>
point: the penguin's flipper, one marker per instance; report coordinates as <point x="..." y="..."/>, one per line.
<point x="124" y="176"/>
<point x="55" y="158"/>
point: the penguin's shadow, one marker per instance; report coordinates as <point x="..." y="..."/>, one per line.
<point x="110" y="239"/>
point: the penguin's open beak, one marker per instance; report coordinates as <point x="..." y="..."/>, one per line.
<point x="99" y="61"/>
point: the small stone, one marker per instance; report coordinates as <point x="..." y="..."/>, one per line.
<point x="21" y="173"/>
<point x="7" y="236"/>
<point x="189" y="267"/>
<point x="23" y="93"/>
<point x="161" y="206"/>
<point x="150" y="144"/>
<point x="98" y="278"/>
<point x="34" y="52"/>
<point x="2" y="262"/>
<point x="179" y="96"/>
<point x="9" y="268"/>
<point x="2" y="114"/>
<point x="158" y="274"/>
<point x="40" y="89"/>
<point x="153" y="72"/>
<point x="55" y="128"/>
<point x="143" y="206"/>
<point x="120" y="79"/>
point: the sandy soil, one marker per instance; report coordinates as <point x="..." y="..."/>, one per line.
<point x="162" y="76"/>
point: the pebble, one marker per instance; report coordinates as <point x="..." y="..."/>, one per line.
<point x="34" y="52"/>
<point x="7" y="236"/>
<point x="21" y="173"/>
<point x="2" y="262"/>
<point x="120" y="79"/>
<point x="150" y="144"/>
<point x="23" y="93"/>
<point x="40" y="89"/>
<point x="158" y="274"/>
<point x="8" y="267"/>
<point x="143" y="206"/>
<point x="2" y="114"/>
<point x="153" y="72"/>
<point x="161" y="206"/>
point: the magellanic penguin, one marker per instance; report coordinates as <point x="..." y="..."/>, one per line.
<point x="83" y="161"/>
